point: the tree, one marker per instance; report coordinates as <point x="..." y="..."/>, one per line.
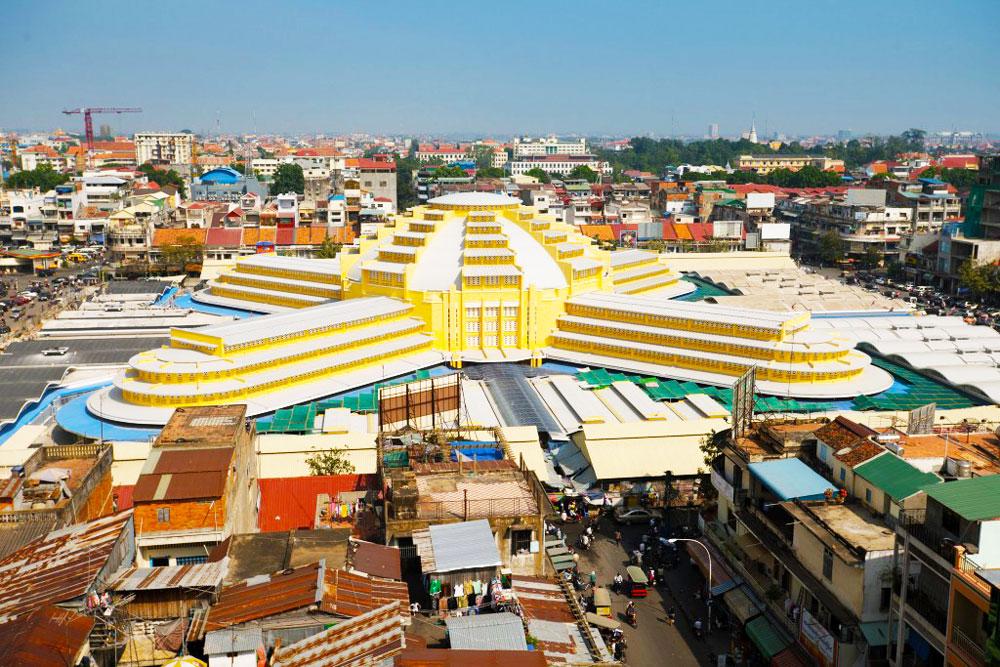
<point x="330" y="462"/>
<point x="482" y="155"/>
<point x="983" y="280"/>
<point x="831" y="247"/>
<point x="490" y="172"/>
<point x="540" y="174"/>
<point x="161" y="177"/>
<point x="406" y="193"/>
<point x="288" y="178"/>
<point x="239" y="166"/>
<point x="711" y="447"/>
<point x="449" y="172"/>
<point x="328" y="249"/>
<point x="584" y="172"/>
<point x="872" y="257"/>
<point x="184" y="251"/>
<point x="44" y="178"/>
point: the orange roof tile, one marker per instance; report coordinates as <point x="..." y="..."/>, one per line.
<point x="162" y="237"/>
<point x="599" y="232"/>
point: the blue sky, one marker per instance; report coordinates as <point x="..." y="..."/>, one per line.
<point x="429" y="66"/>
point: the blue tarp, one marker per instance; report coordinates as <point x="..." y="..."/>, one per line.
<point x="791" y="478"/>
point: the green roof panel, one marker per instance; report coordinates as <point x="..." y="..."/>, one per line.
<point x="766" y="637"/>
<point x="894" y="476"/>
<point x="976" y="499"/>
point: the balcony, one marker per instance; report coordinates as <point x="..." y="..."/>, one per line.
<point x="933" y="537"/>
<point x="972" y="649"/>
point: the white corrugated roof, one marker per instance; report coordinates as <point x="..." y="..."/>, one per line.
<point x="468" y="545"/>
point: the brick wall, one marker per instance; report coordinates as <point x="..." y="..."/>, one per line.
<point x="184" y="515"/>
<point x="99" y="502"/>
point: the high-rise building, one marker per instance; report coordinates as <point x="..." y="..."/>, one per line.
<point x="713" y="131"/>
<point x="105" y="130"/>
<point x="163" y="147"/>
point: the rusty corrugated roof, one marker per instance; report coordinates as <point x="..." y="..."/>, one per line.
<point x="369" y="638"/>
<point x="198" y="575"/>
<point x="349" y="594"/>
<point x="47" y="636"/>
<point x="62" y="565"/>
<point x="377" y="560"/>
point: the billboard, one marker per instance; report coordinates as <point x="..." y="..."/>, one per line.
<point x="628" y="238"/>
<point x="421" y="404"/>
<point x="743" y="401"/>
<point x="921" y="421"/>
<point x="760" y="200"/>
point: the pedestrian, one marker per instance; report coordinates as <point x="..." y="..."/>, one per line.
<point x="698" y="632"/>
<point x="593" y="577"/>
<point x="618" y="537"/>
<point x="652" y="577"/>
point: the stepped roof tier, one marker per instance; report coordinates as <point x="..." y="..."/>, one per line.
<point x="471" y="277"/>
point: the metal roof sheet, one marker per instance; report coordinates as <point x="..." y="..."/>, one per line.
<point x="467" y="545"/>
<point x="288" y="503"/>
<point x="198" y="575"/>
<point x="62" y="565"/>
<point x="895" y="476"/>
<point x="791" y="478"/>
<point x="976" y="499"/>
<point x="487" y="632"/>
<point x="371" y="638"/>
<point x="233" y="640"/>
<point x="48" y="636"/>
<point x="377" y="560"/>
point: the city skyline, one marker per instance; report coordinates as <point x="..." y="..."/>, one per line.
<point x="312" y="67"/>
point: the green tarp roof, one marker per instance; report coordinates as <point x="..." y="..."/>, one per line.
<point x="766" y="637"/>
<point x="976" y="499"/>
<point x="895" y="476"/>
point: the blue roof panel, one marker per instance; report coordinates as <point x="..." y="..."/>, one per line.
<point x="791" y="478"/>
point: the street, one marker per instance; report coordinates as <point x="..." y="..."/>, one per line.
<point x="654" y="642"/>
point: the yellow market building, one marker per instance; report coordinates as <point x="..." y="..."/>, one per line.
<point x="470" y="277"/>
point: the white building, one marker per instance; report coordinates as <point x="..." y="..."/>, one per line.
<point x="163" y="147"/>
<point x="557" y="164"/>
<point x="444" y="155"/>
<point x="529" y="147"/>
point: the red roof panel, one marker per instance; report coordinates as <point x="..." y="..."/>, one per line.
<point x="288" y="503"/>
<point x="286" y="236"/>
<point x="222" y="237"/>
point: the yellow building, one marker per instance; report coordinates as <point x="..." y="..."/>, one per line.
<point x="470" y="277"/>
<point x="763" y="164"/>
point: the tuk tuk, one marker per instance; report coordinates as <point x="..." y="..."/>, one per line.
<point x="606" y="626"/>
<point x="602" y="602"/>
<point x="635" y="582"/>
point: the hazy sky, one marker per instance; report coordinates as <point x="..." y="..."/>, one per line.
<point x="429" y="66"/>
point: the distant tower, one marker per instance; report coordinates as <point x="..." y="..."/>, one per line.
<point x="105" y="130"/>
<point x="713" y="131"/>
<point x="752" y="137"/>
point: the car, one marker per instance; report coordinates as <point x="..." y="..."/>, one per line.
<point x="21" y="300"/>
<point x="4" y="329"/>
<point x="636" y="515"/>
<point x="55" y="351"/>
<point x="16" y="312"/>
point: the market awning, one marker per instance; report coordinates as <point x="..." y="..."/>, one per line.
<point x="722" y="581"/>
<point x="767" y="638"/>
<point x="789" y="658"/>
<point x="876" y="633"/>
<point x="742" y="604"/>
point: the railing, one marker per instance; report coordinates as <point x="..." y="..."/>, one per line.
<point x="971" y="572"/>
<point x="968" y="646"/>
<point x="927" y="606"/>
<point x="933" y="537"/>
<point x="486" y="508"/>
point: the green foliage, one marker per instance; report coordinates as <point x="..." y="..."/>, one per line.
<point x="807" y="177"/>
<point x="329" y="462"/>
<point x="540" y="174"/>
<point x="288" y="178"/>
<point x="328" y="249"/>
<point x="857" y="152"/>
<point x="449" y="172"/>
<point x="406" y="193"/>
<point x="239" y="166"/>
<point x="584" y="172"/>
<point x="872" y="257"/>
<point x="960" y="178"/>
<point x="711" y="447"/>
<point x="490" y="172"/>
<point x="831" y="247"/>
<point x="184" y="251"/>
<point x="483" y="156"/>
<point x="44" y="178"/>
<point x="655" y="155"/>
<point x="169" y="177"/>
<point x="983" y="280"/>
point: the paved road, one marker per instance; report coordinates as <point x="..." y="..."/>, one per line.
<point x="654" y="642"/>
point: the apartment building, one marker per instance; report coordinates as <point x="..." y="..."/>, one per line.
<point x="37" y="156"/>
<point x="860" y="217"/>
<point x="764" y="164"/>
<point x="443" y="153"/>
<point x="532" y="147"/>
<point x="818" y="557"/>
<point x="164" y="148"/>
<point x="198" y="486"/>
<point x="932" y="202"/>
<point x="947" y="554"/>
<point x="377" y="176"/>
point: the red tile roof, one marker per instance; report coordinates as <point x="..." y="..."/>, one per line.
<point x="288" y="503"/>
<point x="222" y="237"/>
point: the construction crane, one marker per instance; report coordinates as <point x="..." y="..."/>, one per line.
<point x="88" y="120"/>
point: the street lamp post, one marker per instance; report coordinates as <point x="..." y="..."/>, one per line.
<point x="675" y="540"/>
